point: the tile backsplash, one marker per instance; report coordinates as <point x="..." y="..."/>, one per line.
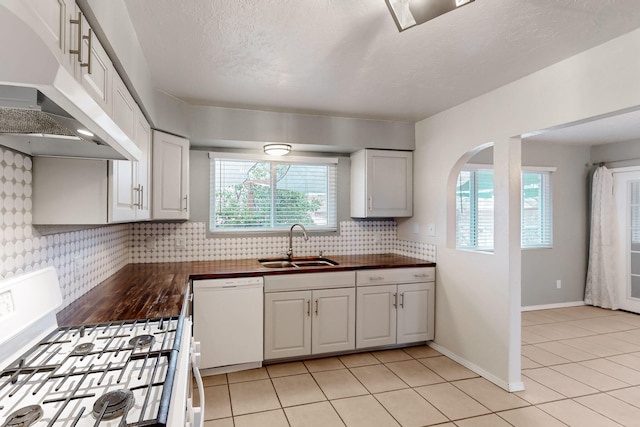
<point x="163" y="242"/>
<point x="84" y="258"/>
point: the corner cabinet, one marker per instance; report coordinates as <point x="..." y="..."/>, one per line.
<point x="395" y="306"/>
<point x="381" y="184"/>
<point x="170" y="176"/>
<point x="310" y="313"/>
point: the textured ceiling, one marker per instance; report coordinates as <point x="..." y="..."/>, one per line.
<point x="347" y="58"/>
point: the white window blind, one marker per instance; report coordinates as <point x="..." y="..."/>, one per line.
<point x="475" y="210"/>
<point x="536" y="218"/>
<point x="260" y="194"/>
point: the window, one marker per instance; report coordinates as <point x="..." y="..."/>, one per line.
<point x="475" y="209"/>
<point x="257" y="193"/>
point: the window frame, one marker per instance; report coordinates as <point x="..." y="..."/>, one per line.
<point x="547" y="196"/>
<point x="259" y="157"/>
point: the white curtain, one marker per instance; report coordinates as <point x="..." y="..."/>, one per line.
<point x="601" y="274"/>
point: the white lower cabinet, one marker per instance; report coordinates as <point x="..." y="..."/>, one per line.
<point x="398" y="313"/>
<point x="300" y="323"/>
<point x="309" y="321"/>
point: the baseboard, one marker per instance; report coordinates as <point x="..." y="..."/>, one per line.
<point x="511" y="387"/>
<point x="550" y="306"/>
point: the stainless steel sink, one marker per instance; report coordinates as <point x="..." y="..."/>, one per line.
<point x="296" y="262"/>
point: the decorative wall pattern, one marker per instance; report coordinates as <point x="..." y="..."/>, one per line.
<point x="86" y="257"/>
<point x="163" y="242"/>
<point x="82" y="259"/>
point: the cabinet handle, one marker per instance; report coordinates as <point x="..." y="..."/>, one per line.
<point x="87" y="64"/>
<point x="395" y="300"/>
<point x="136" y="203"/>
<point x="370" y="201"/>
<point x="402" y="300"/>
<point x="421" y="275"/>
<point x="316" y="308"/>
<point x="141" y="196"/>
<point x="186" y="202"/>
<point x="376" y="277"/>
<point x="77" y="51"/>
<point x="308" y="307"/>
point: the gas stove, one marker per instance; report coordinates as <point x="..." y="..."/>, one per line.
<point x="107" y="374"/>
<point x="101" y="375"/>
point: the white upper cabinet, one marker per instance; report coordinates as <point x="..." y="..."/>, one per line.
<point x="129" y="181"/>
<point x="170" y="176"/>
<point x="51" y="21"/>
<point x="381" y="184"/>
<point x="142" y="138"/>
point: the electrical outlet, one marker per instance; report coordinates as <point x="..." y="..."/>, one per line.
<point x="77" y="267"/>
<point x="558" y="284"/>
<point x="377" y="238"/>
<point x="431" y="230"/>
<point x="180" y="243"/>
<point x="150" y="243"/>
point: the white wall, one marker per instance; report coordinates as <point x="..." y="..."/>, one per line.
<point x="478" y="295"/>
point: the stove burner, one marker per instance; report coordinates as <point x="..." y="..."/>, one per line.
<point x="24" y="417"/>
<point x="83" y="349"/>
<point x="142" y="341"/>
<point x="113" y="404"/>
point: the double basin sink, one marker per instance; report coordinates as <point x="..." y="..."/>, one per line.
<point x="296" y="262"/>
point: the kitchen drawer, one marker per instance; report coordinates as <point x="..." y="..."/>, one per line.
<point x="385" y="276"/>
<point x="309" y="281"/>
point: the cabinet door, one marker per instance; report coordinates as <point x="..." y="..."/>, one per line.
<point x="333" y="326"/>
<point x="51" y="15"/>
<point x="121" y="192"/>
<point x="376" y="316"/>
<point x="124" y="108"/>
<point x="95" y="70"/>
<point x="143" y="187"/>
<point x="287" y="324"/>
<point x="389" y="183"/>
<point x="170" y="176"/>
<point x="415" y="312"/>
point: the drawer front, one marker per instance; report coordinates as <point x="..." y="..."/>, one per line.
<point x="385" y="276"/>
<point x="309" y="281"/>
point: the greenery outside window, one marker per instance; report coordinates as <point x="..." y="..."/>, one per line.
<point x="475" y="209"/>
<point x="254" y="193"/>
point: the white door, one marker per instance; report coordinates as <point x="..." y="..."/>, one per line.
<point x="376" y="316"/>
<point x="334" y="320"/>
<point x="627" y="192"/>
<point x="287" y="324"/>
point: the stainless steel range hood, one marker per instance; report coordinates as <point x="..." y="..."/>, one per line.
<point x="33" y="124"/>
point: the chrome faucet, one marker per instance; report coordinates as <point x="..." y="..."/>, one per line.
<point x="304" y="232"/>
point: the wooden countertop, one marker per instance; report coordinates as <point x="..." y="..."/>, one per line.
<point x="140" y="291"/>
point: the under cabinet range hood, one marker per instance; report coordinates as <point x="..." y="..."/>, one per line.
<point x="33" y="124"/>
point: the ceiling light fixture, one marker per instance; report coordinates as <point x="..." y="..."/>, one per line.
<point x="409" y="13"/>
<point x="85" y="133"/>
<point x="277" y="149"/>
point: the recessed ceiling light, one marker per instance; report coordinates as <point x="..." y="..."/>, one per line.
<point x="85" y="133"/>
<point x="277" y="149"/>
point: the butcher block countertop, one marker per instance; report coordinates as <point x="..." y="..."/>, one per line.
<point x="140" y="291"/>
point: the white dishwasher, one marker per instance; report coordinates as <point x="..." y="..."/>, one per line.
<point x="228" y="322"/>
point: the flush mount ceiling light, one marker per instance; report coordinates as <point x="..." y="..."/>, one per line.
<point x="409" y="13"/>
<point x="277" y="149"/>
<point x="85" y="132"/>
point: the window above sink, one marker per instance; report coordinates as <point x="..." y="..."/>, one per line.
<point x="255" y="193"/>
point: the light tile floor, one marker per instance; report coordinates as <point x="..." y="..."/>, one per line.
<point x="580" y="367"/>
